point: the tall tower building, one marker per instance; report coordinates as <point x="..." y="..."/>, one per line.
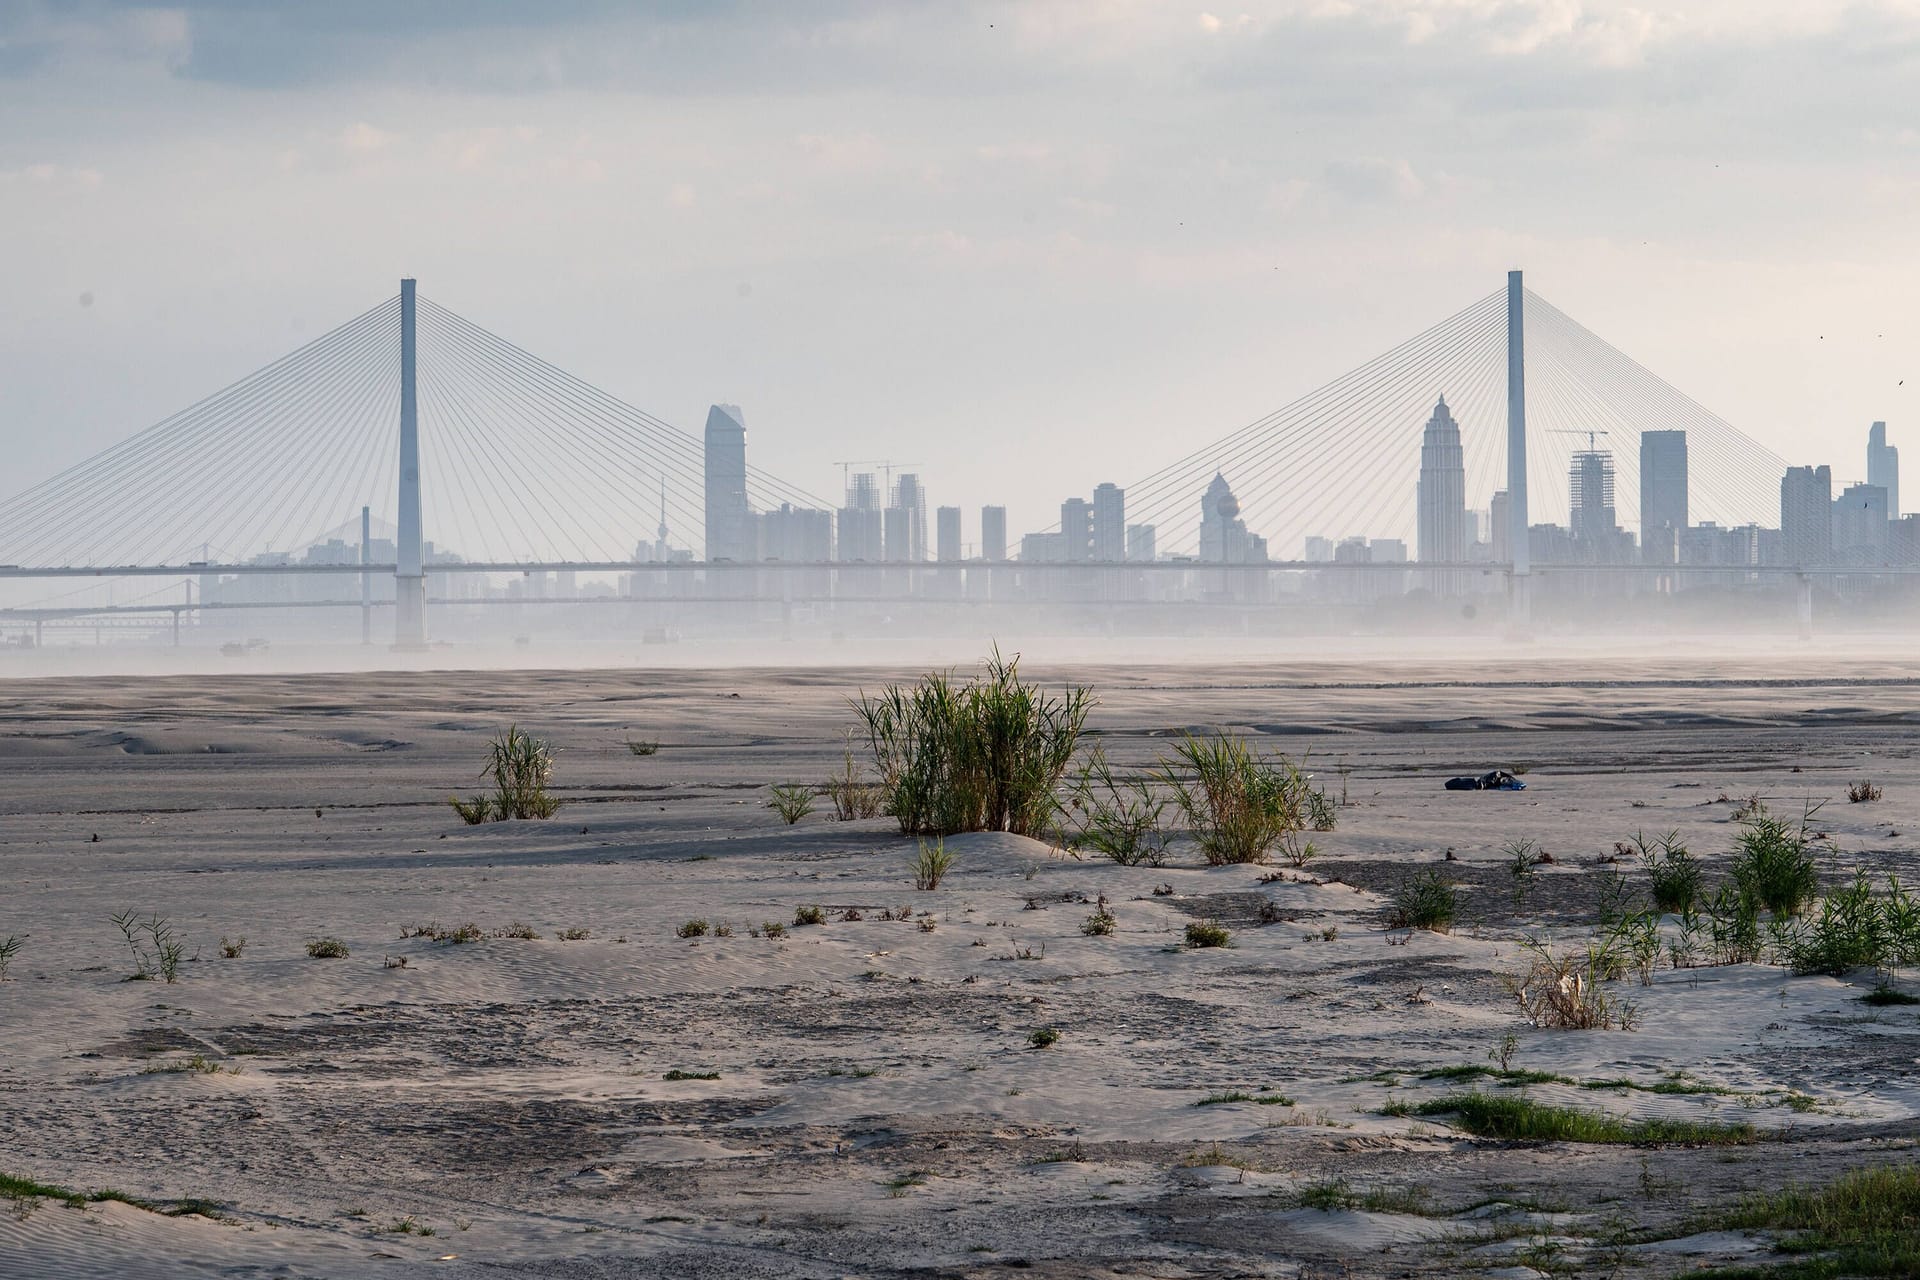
<point x="1076" y="529"/>
<point x="1883" y="467"/>
<point x="1663" y="495"/>
<point x="1109" y="523"/>
<point x="1806" y="516"/>
<point x="947" y="534"/>
<point x="906" y="533"/>
<point x="1590" y="498"/>
<point x="860" y="521"/>
<point x="1444" y="532"/>
<point x="730" y="531"/>
<point x="993" y="533"/>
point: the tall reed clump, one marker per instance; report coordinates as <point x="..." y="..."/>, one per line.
<point x="983" y="755"/>
<point x="1238" y="804"/>
<point x="521" y="766"/>
<point x="1774" y="862"/>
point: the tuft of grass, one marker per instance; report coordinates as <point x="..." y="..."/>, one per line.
<point x="1044" y="1038"/>
<point x="1566" y="991"/>
<point x="1774" y="864"/>
<point x="1114" y="815"/>
<point x="984" y="755"/>
<point x="1856" y="929"/>
<point x="774" y="929"/>
<point x="230" y="948"/>
<point x="1884" y="996"/>
<point x="1862" y="792"/>
<point x="931" y="865"/>
<point x="792" y="801"/>
<point x="521" y="767"/>
<point x="809" y="915"/>
<point x="1207" y="933"/>
<point x="9" y="947"/>
<point x="1507" y="1116"/>
<point x="1218" y="1099"/>
<point x="1238" y="804"/>
<point x="1425" y="900"/>
<point x="518" y="930"/>
<point x="198" y="1064"/>
<point x="574" y="935"/>
<point x="1101" y="923"/>
<point x="692" y="929"/>
<point x="1504" y="1075"/>
<point x="852" y="795"/>
<point x="678" y="1074"/>
<point x="326" y="948"/>
<point x="1674" y="874"/>
<point x="643" y="746"/>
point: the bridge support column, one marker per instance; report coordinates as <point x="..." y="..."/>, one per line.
<point x="1520" y="604"/>
<point x="1805" y="583"/>
<point x="410" y="582"/>
<point x="366" y="579"/>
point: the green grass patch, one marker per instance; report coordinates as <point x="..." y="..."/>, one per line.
<point x="1865" y="1224"/>
<point x="678" y="1074"/>
<point x="1475" y="1072"/>
<point x="1497" y="1116"/>
<point x="1883" y="997"/>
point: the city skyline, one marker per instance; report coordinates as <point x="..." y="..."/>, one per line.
<point x="1012" y="259"/>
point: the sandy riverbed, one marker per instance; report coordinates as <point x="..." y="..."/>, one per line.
<point x="877" y="1108"/>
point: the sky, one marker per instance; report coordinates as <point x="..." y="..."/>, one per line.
<point x="1020" y="248"/>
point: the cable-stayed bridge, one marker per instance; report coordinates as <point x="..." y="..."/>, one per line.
<point x="481" y="457"/>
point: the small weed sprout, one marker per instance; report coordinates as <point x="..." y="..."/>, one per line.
<point x="1862" y="792"/>
<point x="1044" y="1038"/>
<point x="693" y="929"/>
<point x="792" y="801"/>
<point x="9" y="948"/>
<point x="1207" y="933"/>
<point x="643" y="746"/>
<point x="852" y="795"/>
<point x="723" y="931"/>
<point x="1425" y="900"/>
<point x="154" y="944"/>
<point x="326" y="948"/>
<point x="230" y="948"/>
<point x="931" y="865"/>
<point x="1101" y="923"/>
<point x="1503" y="1052"/>
<point x="1523" y="865"/>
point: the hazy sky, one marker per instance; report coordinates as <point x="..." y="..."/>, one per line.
<point x="1025" y="246"/>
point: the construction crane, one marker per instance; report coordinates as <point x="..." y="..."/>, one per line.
<point x="1590" y="434"/>
<point x="885" y="464"/>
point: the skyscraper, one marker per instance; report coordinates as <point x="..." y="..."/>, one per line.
<point x="907" y="533"/>
<point x="1883" y="467"/>
<point x="1663" y="495"/>
<point x="993" y="533"/>
<point x="860" y="528"/>
<point x="1806" y="516"/>
<point x="1443" y="497"/>
<point x="730" y="532"/>
<point x="947" y="534"/>
<point x="1076" y="529"/>
<point x="1590" y="497"/>
<point x="1861" y="531"/>
<point x="1109" y="523"/>
<point x="1223" y="535"/>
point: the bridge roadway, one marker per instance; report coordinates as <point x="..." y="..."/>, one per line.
<point x="923" y="566"/>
